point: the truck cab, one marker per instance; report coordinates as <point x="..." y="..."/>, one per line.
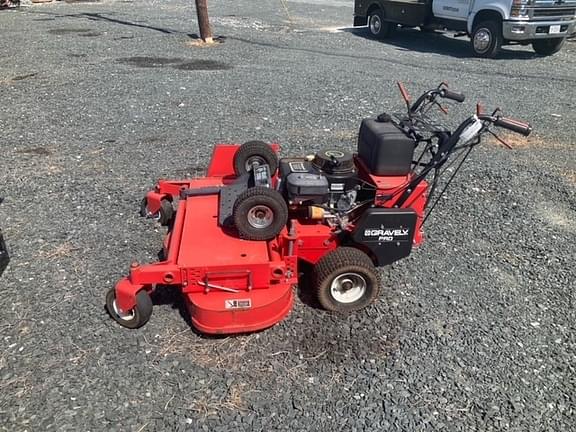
<point x="490" y="23"/>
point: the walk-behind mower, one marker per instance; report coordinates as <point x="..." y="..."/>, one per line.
<point x="236" y="237"/>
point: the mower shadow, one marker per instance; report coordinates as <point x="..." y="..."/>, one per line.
<point x="172" y="295"/>
<point x="305" y="292"/>
<point x="406" y="39"/>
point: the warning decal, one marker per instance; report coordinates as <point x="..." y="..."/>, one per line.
<point x="238" y="304"/>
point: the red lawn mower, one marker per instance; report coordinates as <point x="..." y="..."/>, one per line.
<point x="238" y="235"/>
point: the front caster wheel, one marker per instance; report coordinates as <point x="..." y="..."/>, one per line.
<point x="135" y="318"/>
<point x="346" y="280"/>
<point x="260" y="213"/>
<point x="163" y="216"/>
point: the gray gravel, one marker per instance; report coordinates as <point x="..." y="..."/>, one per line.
<point x="476" y="328"/>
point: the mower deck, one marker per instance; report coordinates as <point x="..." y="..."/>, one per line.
<point x="230" y="285"/>
<point x="227" y="257"/>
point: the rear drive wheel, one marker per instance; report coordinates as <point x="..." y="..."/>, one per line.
<point x="378" y="27"/>
<point x="254" y="153"/>
<point x="260" y="213"/>
<point x="547" y="47"/>
<point x="346" y="280"/>
<point x="487" y="39"/>
<point x="135" y="318"/>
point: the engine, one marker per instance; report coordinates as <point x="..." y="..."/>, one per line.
<point x="326" y="183"/>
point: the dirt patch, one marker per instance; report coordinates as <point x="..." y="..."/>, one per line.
<point x="533" y="141"/>
<point x="557" y="216"/>
<point x="203" y="65"/>
<point x="39" y="151"/>
<point x="66" y="31"/>
<point x="150" y="62"/>
<point x="90" y="34"/>
<point x="18" y="78"/>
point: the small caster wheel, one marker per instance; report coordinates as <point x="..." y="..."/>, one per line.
<point x="346" y="280"/>
<point x="254" y="152"/>
<point x="162" y="216"/>
<point x="260" y="213"/>
<point x="135" y="318"/>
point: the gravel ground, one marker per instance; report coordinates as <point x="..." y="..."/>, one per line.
<point x="475" y="330"/>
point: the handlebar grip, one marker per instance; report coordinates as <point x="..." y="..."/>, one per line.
<point x="514" y="125"/>
<point x="455" y="96"/>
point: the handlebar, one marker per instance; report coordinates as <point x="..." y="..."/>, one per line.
<point x="514" y="125"/>
<point x="455" y="96"/>
<point x="430" y="96"/>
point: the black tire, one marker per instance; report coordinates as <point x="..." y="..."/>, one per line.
<point x="254" y="151"/>
<point x="346" y="280"/>
<point x="139" y="315"/>
<point x="378" y="27"/>
<point x="163" y="216"/>
<point x="547" y="47"/>
<point x="486" y="39"/>
<point x="260" y="213"/>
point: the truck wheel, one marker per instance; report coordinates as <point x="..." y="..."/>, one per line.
<point x="254" y="152"/>
<point x="260" y="213"/>
<point x="346" y="280"/>
<point x="486" y="39"/>
<point x="547" y="47"/>
<point x="379" y="29"/>
<point x="137" y="317"/>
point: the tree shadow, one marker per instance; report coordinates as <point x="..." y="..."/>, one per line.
<point x="406" y="39"/>
<point x="92" y="16"/>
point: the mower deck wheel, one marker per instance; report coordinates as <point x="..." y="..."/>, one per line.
<point x="254" y="152"/>
<point x="135" y="318"/>
<point x="346" y="280"/>
<point x="260" y="213"/>
<point x="162" y="216"/>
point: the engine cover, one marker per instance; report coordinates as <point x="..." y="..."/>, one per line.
<point x="307" y="187"/>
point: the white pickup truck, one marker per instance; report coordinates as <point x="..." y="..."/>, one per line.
<point x="490" y="23"/>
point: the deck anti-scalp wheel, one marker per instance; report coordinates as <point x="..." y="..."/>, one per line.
<point x="163" y="216"/>
<point x="260" y="213"/>
<point x="135" y="318"/>
<point x="345" y="280"/>
<point x="254" y="152"/>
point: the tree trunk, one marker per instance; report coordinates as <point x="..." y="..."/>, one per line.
<point x="203" y="21"/>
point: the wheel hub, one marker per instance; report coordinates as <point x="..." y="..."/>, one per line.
<point x="348" y="287"/>
<point x="254" y="161"/>
<point x="260" y="216"/>
<point x="482" y="39"/>
<point x="375" y="24"/>
<point x="125" y="316"/>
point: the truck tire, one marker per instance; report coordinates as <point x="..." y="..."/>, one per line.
<point x="345" y="280"/>
<point x="486" y="39"/>
<point x="378" y="27"/>
<point x="547" y="47"/>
